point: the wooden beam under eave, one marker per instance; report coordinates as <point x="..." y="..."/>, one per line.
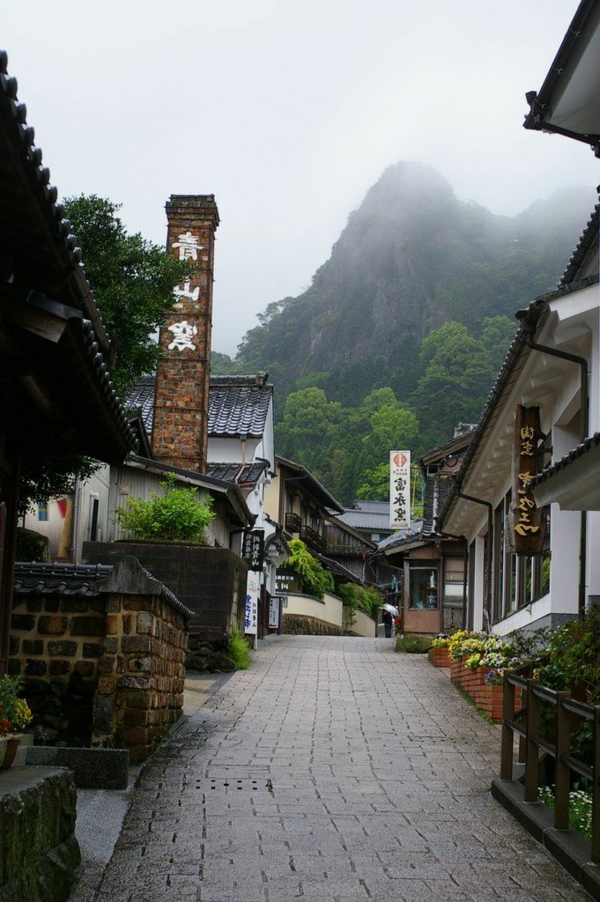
<point x="23" y="315"/>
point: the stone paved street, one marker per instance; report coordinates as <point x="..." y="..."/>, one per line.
<point x="333" y="769"/>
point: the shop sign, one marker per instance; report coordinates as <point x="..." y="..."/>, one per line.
<point x="274" y="606"/>
<point x="251" y="618"/>
<point x="527" y="520"/>
<point x="253" y="548"/>
<point x="399" y="489"/>
<point x="287" y="581"/>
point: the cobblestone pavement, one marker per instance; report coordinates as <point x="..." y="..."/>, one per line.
<point x="333" y="769"/>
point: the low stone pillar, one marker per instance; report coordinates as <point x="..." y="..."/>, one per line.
<point x="140" y="688"/>
<point x="38" y="849"/>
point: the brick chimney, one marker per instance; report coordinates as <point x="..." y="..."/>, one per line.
<point x="180" y="432"/>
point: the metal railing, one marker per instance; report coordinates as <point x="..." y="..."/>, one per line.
<point x="526" y="724"/>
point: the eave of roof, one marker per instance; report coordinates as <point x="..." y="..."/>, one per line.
<point x="513" y="363"/>
<point x="313" y="486"/>
<point x="586" y="248"/>
<point x="573" y="46"/>
<point x="47" y="280"/>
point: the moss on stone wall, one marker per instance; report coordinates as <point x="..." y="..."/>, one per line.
<point x="38" y="849"/>
<point x="296" y="625"/>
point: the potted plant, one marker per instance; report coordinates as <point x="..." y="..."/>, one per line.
<point x="15" y="717"/>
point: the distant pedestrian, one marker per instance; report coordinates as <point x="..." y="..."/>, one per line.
<point x="387" y="623"/>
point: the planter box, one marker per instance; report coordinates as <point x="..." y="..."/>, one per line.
<point x="457" y="672"/>
<point x="440" y="657"/>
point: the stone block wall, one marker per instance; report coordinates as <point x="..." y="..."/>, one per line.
<point x="102" y="650"/>
<point x="141" y="675"/>
<point x="38" y="849"/>
<point x="211" y="582"/>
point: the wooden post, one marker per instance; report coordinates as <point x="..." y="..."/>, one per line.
<point x="532" y="751"/>
<point x="508" y="714"/>
<point x="596" y="791"/>
<point x="562" y="779"/>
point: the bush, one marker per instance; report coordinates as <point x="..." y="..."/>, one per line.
<point x="413" y="644"/>
<point x="315" y="579"/>
<point x="177" y="516"/>
<point x="364" y="598"/>
<point x="239" y="650"/>
<point x="574" y="658"/>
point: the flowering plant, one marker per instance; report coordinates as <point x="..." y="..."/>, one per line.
<point x="15" y="714"/>
<point x="442" y="640"/>
<point x="5" y="725"/>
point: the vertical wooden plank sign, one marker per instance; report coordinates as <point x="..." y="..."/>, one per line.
<point x="528" y="520"/>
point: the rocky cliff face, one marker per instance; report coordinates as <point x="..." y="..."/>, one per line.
<point x="411" y="257"/>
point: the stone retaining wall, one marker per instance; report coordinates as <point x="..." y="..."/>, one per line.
<point x="38" y="849"/>
<point x="102" y="650"/>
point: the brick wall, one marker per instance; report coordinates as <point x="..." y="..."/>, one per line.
<point x="180" y="431"/>
<point x="102" y="650"/>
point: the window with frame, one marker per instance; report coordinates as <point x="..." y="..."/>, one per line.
<point x="423" y="585"/>
<point x="518" y="580"/>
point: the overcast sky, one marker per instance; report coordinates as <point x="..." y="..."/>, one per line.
<point x="287" y="111"/>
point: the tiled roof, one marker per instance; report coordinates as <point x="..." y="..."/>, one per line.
<point x="413" y="533"/>
<point x="584" y="448"/>
<point x="77" y="581"/>
<point x="47" y="273"/>
<point x="247" y="474"/>
<point x="141" y="398"/>
<point x="238" y="405"/>
<point x="583" y="254"/>
<point x="372" y="515"/>
<point x="71" y="580"/>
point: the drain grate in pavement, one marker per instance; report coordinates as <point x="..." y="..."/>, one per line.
<point x="231" y="784"/>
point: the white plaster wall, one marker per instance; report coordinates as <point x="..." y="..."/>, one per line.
<point x="329" y="610"/>
<point x="479" y="587"/>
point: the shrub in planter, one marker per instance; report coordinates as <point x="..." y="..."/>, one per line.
<point x="177" y="516"/>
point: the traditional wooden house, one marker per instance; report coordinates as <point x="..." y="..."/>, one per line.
<point x="56" y="397"/>
<point x="56" y="400"/>
<point x="297" y="502"/>
<point x="526" y="498"/>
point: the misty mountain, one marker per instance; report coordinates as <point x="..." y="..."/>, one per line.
<point x="411" y="257"/>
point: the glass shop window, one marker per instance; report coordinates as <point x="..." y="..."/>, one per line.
<point x="423" y="588"/>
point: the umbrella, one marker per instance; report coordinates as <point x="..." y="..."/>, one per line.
<point x="391" y="609"/>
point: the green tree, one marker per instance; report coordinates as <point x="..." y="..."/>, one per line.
<point x="315" y="579"/>
<point x="132" y="281"/>
<point x="458" y="375"/>
<point x="310" y="428"/>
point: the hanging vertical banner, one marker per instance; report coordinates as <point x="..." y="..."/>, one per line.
<point x="399" y="489"/>
<point x="528" y="520"/>
<point x="252" y="592"/>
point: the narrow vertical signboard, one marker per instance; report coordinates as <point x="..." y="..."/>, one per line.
<point x="274" y="606"/>
<point x="252" y="593"/>
<point x="528" y="520"/>
<point x="399" y="489"/>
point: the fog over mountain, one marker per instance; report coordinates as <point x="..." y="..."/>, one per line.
<point x="411" y="257"/>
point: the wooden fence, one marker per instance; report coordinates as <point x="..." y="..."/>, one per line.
<point x="568" y="715"/>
